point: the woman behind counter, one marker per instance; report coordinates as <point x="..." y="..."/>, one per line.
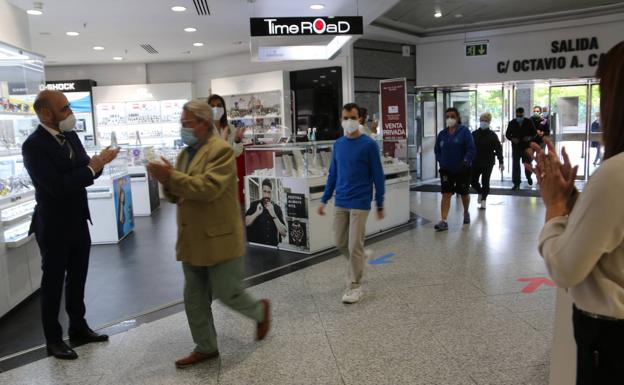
<point x="582" y="241"/>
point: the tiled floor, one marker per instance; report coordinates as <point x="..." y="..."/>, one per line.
<point x="447" y="310"/>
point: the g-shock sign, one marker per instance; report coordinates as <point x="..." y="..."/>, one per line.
<point x="306" y="26"/>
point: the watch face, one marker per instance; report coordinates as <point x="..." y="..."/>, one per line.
<point x="297" y="234"/>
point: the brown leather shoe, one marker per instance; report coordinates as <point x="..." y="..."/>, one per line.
<point x="195" y="358"/>
<point x="264" y="326"/>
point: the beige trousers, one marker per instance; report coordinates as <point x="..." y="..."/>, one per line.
<point x="350" y="230"/>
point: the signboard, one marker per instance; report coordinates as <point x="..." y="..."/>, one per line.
<point x="476" y="49"/>
<point x="296" y="205"/>
<point x="70" y="85"/>
<point x="306" y="26"/>
<point x="394" y="109"/>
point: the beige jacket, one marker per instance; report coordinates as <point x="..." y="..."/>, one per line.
<point x="585" y="251"/>
<point x="210" y="226"/>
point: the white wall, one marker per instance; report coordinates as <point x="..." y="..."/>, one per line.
<point x="442" y="60"/>
<point x="14" y="26"/>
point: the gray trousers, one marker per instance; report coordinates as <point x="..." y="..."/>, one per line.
<point x="350" y="231"/>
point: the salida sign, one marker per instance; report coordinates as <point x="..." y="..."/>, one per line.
<point x="306" y="26"/>
<point x="557" y="62"/>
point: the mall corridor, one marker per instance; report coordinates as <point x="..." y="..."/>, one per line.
<point x="441" y="308"/>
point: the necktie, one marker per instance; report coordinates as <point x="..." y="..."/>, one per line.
<point x="65" y="145"/>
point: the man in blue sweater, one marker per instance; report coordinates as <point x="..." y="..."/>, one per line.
<point x="455" y="151"/>
<point x="355" y="166"/>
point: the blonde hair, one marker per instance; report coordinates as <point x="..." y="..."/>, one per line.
<point x="486" y="116"/>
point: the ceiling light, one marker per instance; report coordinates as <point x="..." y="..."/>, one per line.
<point x="117" y="58"/>
<point x="459" y="16"/>
<point x="34" y="12"/>
<point x="98" y="48"/>
<point x="323" y="76"/>
<point x="190" y="29"/>
<point x="178" y="8"/>
<point x="315" y="80"/>
<point x="317" y="7"/>
<point x="198" y="44"/>
<point x="437" y="14"/>
<point x="72" y="34"/>
<point x="334" y="71"/>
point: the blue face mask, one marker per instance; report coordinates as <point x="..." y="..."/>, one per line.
<point x="188" y="136"/>
<point x="484" y="125"/>
<point x="520" y="119"/>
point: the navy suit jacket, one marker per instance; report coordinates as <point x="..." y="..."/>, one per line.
<point x="60" y="182"/>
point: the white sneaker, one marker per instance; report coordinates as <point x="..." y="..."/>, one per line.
<point x="369" y="254"/>
<point x="353" y="295"/>
<point x="482" y="205"/>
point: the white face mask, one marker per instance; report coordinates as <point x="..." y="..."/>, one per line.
<point x="68" y="123"/>
<point x="217" y="113"/>
<point x="350" y="125"/>
<point x="484" y="125"/>
<point x="450" y="122"/>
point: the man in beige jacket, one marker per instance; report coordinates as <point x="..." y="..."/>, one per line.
<point x="211" y="241"/>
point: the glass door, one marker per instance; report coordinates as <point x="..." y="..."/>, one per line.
<point x="466" y="104"/>
<point x="596" y="149"/>
<point x="571" y="113"/>
<point x="427" y="123"/>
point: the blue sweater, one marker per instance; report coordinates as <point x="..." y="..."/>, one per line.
<point x="452" y="150"/>
<point x="355" y="166"/>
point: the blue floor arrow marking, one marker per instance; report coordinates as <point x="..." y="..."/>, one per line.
<point x="384" y="259"/>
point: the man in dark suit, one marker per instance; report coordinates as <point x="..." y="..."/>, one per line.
<point x="60" y="170"/>
<point x="521" y="132"/>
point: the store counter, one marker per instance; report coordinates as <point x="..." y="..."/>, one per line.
<point x="110" y="203"/>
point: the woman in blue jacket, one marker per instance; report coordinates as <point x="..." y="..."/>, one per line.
<point x="455" y="151"/>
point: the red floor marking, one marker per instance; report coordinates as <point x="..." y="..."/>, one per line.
<point x="535" y="283"/>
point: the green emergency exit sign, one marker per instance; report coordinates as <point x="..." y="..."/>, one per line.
<point x="476" y="49"/>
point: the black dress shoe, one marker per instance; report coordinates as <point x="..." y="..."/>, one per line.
<point x="87" y="336"/>
<point x="61" y="351"/>
<point x="515" y="188"/>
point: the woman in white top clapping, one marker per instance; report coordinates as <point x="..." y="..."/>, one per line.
<point x="582" y="241"/>
<point x="219" y="113"/>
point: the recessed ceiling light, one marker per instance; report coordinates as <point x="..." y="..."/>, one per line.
<point x="459" y="16"/>
<point x="334" y="71"/>
<point x="323" y="76"/>
<point x="437" y="14"/>
<point x="315" y="80"/>
<point x="178" y="8"/>
<point x="190" y="29"/>
<point x="117" y="58"/>
<point x="34" y="12"/>
<point x="198" y="44"/>
<point x="72" y="33"/>
<point x="317" y="6"/>
<point x="98" y="48"/>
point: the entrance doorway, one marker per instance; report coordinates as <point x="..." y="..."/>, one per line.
<point x="571" y="107"/>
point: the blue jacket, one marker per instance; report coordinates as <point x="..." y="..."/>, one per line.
<point x="452" y="150"/>
<point x="355" y="166"/>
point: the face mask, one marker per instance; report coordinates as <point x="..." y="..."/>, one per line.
<point x="68" y="123"/>
<point x="520" y="119"/>
<point x="188" y="136"/>
<point x="484" y="125"/>
<point x="217" y="113"/>
<point x="450" y="122"/>
<point x="350" y="125"/>
<point x="536" y="114"/>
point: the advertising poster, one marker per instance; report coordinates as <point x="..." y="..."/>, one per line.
<point x="393" y="95"/>
<point x="123" y="206"/>
<point x="78" y="93"/>
<point x="277" y="213"/>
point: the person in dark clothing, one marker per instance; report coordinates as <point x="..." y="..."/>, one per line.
<point x="264" y="219"/>
<point x="488" y="147"/>
<point x="521" y="132"/>
<point x="595" y="128"/>
<point x="455" y="151"/>
<point x="540" y="121"/>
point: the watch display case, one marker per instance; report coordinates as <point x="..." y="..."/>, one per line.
<point x="259" y="114"/>
<point x="21" y="78"/>
<point x="284" y="186"/>
<point x="140" y="123"/>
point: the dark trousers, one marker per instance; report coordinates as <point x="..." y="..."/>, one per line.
<point x="65" y="261"/>
<point x="600" y="350"/>
<point x="485" y="173"/>
<point x="520" y="157"/>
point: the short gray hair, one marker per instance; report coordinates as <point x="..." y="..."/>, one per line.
<point x="200" y="109"/>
